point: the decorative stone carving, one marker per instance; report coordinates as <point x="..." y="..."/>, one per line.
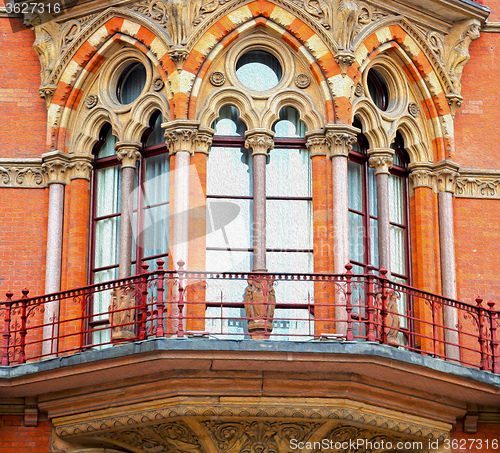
<point x="422" y="176"/>
<point x="435" y="41"/>
<point x="340" y="139"/>
<point x="446" y="175"/>
<point x="413" y="109"/>
<point x="302" y="81"/>
<point x="158" y="84"/>
<point x="259" y="141"/>
<point x="260" y="302"/>
<point x="392" y="321"/>
<point x="381" y="160"/>
<point x="344" y="59"/>
<point x="47" y="48"/>
<point x="70" y="30"/>
<point x="122" y="309"/>
<point x="203" y="140"/>
<point x="217" y="79"/>
<point x="128" y="153"/>
<point x="91" y="101"/>
<point x="166" y="437"/>
<point x="55" y="165"/>
<point x="455" y="102"/>
<point x="178" y="54"/>
<point x="21" y="175"/>
<point x="463" y="34"/>
<point x="347" y="18"/>
<point x="316" y="143"/>
<point x="367" y="15"/>
<point x="80" y="166"/>
<point x="179" y="135"/>
<point x="478" y="184"/>
<point x="359" y="90"/>
<point x="257" y="436"/>
<point x="318" y="9"/>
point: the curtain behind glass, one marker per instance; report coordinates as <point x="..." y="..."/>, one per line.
<point x="157" y="135"/>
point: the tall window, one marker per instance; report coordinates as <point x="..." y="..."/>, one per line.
<point x="149" y="206"/>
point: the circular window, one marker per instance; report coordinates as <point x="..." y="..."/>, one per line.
<point x="378" y="90"/>
<point x="258" y="70"/>
<point x="131" y="83"/>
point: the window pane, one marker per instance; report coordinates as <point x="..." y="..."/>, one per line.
<point x="289" y="124"/>
<point x="355" y="183"/>
<point x="289" y="224"/>
<point x="372" y="191"/>
<point x="258" y="70"/>
<point x="157" y="136"/>
<point x="108" y="148"/>
<point x="374" y="243"/>
<point x="229" y="172"/>
<point x="132" y="83"/>
<point x="107" y="238"/>
<point x="229" y="123"/>
<point x="398" y="250"/>
<point x="288" y="173"/>
<point x="108" y="196"/>
<point x="356" y="237"/>
<point x="396" y="205"/>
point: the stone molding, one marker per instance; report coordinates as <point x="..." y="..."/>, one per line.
<point x="318" y="411"/>
<point x="491" y="27"/>
<point x="475" y="183"/>
<point x="22" y="174"/>
<point x="340" y="138"/>
<point x="260" y="141"/>
<point x="128" y="153"/>
<point x="54" y="166"/>
<point x="381" y="160"/>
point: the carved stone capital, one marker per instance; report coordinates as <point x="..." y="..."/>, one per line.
<point x="55" y="167"/>
<point x="180" y="135"/>
<point x="455" y="102"/>
<point x="202" y="141"/>
<point x="260" y="141"/>
<point x="344" y="59"/>
<point x="446" y="175"/>
<point x="81" y="166"/>
<point x="422" y="175"/>
<point x="340" y="138"/>
<point x="381" y="160"/>
<point x="128" y="153"/>
<point x="316" y="143"/>
<point x="179" y="55"/>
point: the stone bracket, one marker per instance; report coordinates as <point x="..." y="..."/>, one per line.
<point x="31" y="411"/>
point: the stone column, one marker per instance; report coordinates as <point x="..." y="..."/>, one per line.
<point x="260" y="141"/>
<point x="128" y="153"/>
<point x="55" y="165"/>
<point x="340" y="138"/>
<point x="446" y="176"/>
<point x="381" y="160"/>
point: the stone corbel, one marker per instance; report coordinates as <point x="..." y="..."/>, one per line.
<point x="178" y="54"/>
<point x="340" y="138"/>
<point x="447" y="175"/>
<point x="30" y="411"/>
<point x="128" y="153"/>
<point x="381" y="160"/>
<point x="260" y="141"/>
<point x="55" y="167"/>
<point x="180" y="135"/>
<point x="316" y="143"/>
<point x="80" y="166"/>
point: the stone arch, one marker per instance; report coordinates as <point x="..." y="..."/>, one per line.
<point x="295" y="32"/>
<point x="414" y="140"/>
<point x="371" y="120"/>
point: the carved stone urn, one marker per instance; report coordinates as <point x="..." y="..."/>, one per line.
<point x="122" y="313"/>
<point x="260" y="302"/>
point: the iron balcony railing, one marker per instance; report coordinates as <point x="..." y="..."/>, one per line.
<point x="251" y="305"/>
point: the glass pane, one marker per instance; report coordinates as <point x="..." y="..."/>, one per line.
<point x="356" y="237"/>
<point x="132" y="83"/>
<point x="157" y="179"/>
<point x="157" y="135"/>
<point x="229" y="172"/>
<point x="258" y="70"/>
<point x="355" y="183"/>
<point x="228" y="223"/>
<point x="289" y="124"/>
<point x="289" y="174"/>
<point x="374" y="243"/>
<point x="108" y="148"/>
<point x="396" y="205"/>
<point x="398" y="250"/>
<point x="154" y="238"/>
<point x="372" y="191"/>
<point x="229" y="123"/>
<point x="289" y="224"/>
<point x="107" y="239"/>
<point x="108" y="196"/>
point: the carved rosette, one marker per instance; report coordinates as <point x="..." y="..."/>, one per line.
<point x="340" y="138"/>
<point x="260" y="302"/>
<point x="128" y="153"/>
<point x="217" y="79"/>
<point x="381" y="160"/>
<point x="259" y="141"/>
<point x="55" y="167"/>
<point x="91" y="101"/>
<point x="158" y="84"/>
<point x="446" y="176"/>
<point x="302" y="81"/>
<point x="413" y="109"/>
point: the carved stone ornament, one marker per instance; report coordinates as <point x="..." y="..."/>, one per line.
<point x="20" y="174"/>
<point x="259" y="142"/>
<point x="47" y="92"/>
<point x="180" y="135"/>
<point x="422" y="176"/>
<point x="316" y="144"/>
<point x="413" y="109"/>
<point x="178" y="55"/>
<point x="381" y="160"/>
<point x="128" y="153"/>
<point x="446" y="175"/>
<point x="122" y="307"/>
<point x="344" y="59"/>
<point x="359" y="90"/>
<point x="392" y="321"/>
<point x="455" y="102"/>
<point x="367" y="15"/>
<point x="478" y="184"/>
<point x="158" y="84"/>
<point x="81" y="167"/>
<point x="55" y="165"/>
<point x="91" y="101"/>
<point x="203" y="140"/>
<point x="302" y="81"/>
<point x="346" y="21"/>
<point x="260" y="302"/>
<point x="340" y="138"/>
<point x="217" y="79"/>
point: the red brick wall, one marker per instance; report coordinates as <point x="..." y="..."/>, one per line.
<point x="17" y="438"/>
<point x="23" y="112"/>
<point x="481" y="442"/>
<point x="481" y="108"/>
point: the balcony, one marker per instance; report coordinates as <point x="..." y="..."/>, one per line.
<point x="328" y="308"/>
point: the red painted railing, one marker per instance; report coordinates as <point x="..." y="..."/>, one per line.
<point x="257" y="305"/>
